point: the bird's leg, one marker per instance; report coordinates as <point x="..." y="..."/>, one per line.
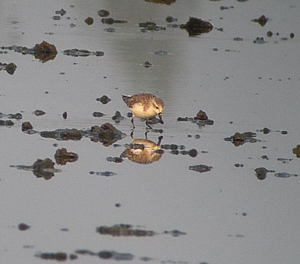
<point x="148" y="124"/>
<point x="159" y="140"/>
<point x="146" y="134"/>
<point x="132" y="123"/>
<point x="131" y="134"/>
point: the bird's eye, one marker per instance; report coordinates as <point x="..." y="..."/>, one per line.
<point x="157" y="107"/>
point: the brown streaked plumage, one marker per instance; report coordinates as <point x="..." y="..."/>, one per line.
<point x="144" y="106"/>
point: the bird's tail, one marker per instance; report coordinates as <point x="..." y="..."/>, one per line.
<point x="125" y="98"/>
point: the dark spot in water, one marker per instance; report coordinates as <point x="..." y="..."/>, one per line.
<point x="60" y="12"/>
<point x="292" y="35"/>
<point x="110" y="21"/>
<point x="98" y="114"/>
<point x="147" y="64"/>
<point x="23" y="227"/>
<point x="7" y="123"/>
<point x="103" y="13"/>
<point x="237" y="165"/>
<point x="259" y="40"/>
<point x="226" y="7"/>
<point x="114" y="159"/>
<point x="103" y="99"/>
<point x="193" y="153"/>
<point x="262" y="20"/>
<point x="117" y="205"/>
<point x="266" y="130"/>
<point x="65" y="115"/>
<point x="196" y="26"/>
<point x="105" y="254"/>
<point x="171" y="19"/>
<point x="60" y="256"/>
<point x="200" y="168"/>
<point x="56" y="17"/>
<point x="261" y="173"/>
<point x="265" y="157"/>
<point x="39" y="112"/>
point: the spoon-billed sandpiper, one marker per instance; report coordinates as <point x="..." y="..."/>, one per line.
<point x="144" y="106"/>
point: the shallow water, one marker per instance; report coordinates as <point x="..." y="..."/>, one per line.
<point x="225" y="215"/>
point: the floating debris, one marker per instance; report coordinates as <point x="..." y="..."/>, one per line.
<point x="150" y="26"/>
<point x="56" y="17"/>
<point x="110" y="30"/>
<point x="175" y="233"/>
<point x="60" y="12"/>
<point x="9" y="68"/>
<point x="192" y="153"/>
<point x="62" y="156"/>
<point x="106" y="254"/>
<point x="89" y="21"/>
<point x="200" y="168"/>
<point x="160" y="53"/>
<point x="65" y="115"/>
<point x="239" y="139"/>
<point x="104" y="173"/>
<point x="123" y="230"/>
<point x="201" y="115"/>
<point x="237" y="165"/>
<point x="103" y="13"/>
<point x="165" y="2"/>
<point x="117" y="117"/>
<point x="43" y="51"/>
<point x="41" y="168"/>
<point x="63" y="134"/>
<point x="82" y="53"/>
<point x="26" y="126"/>
<point x="261" y="173"/>
<point x="143" y="151"/>
<point x="296" y="151"/>
<point x="147" y="64"/>
<point x="23" y="227"/>
<point x="238" y="39"/>
<point x="226" y="7"/>
<point x="259" y="40"/>
<point x="196" y="26"/>
<point x="201" y="119"/>
<point x="267" y="131"/>
<point x="172" y="146"/>
<point x="103" y="99"/>
<point x="60" y="256"/>
<point x="106" y="134"/>
<point x="114" y="159"/>
<point x="6" y="123"/>
<point x="261" y="20"/>
<point x="38" y="112"/>
<point x="98" y="114"/>
<point x="16" y="116"/>
<point x="285" y="175"/>
<point x="110" y="21"/>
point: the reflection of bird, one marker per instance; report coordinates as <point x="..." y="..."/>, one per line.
<point x="144" y="106"/>
<point x="143" y="151"/>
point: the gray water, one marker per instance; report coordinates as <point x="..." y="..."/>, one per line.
<point x="225" y="215"/>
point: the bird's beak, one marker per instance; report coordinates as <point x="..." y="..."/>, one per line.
<point x="160" y="118"/>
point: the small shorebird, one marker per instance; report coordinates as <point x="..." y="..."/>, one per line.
<point x="144" y="106"/>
